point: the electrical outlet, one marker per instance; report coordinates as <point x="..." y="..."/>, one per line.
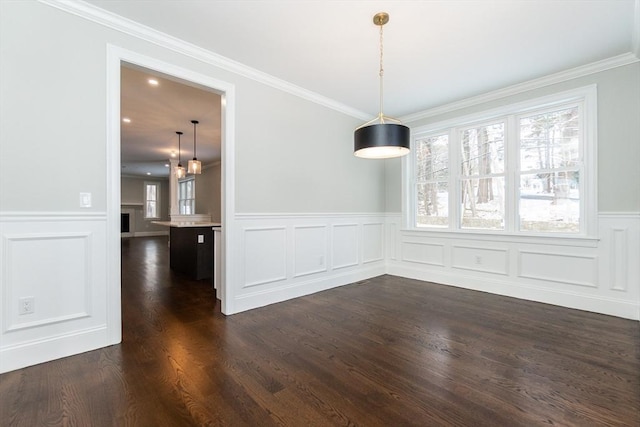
<point x="26" y="305"/>
<point x="200" y="238"/>
<point x="478" y="259"/>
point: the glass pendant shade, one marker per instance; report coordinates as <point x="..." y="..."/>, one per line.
<point x="180" y="171"/>
<point x="194" y="166"/>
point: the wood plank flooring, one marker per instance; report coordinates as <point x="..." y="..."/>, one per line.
<point x="382" y="352"/>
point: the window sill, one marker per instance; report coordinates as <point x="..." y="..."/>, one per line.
<point x="547" y="239"/>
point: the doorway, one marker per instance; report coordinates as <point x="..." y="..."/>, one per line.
<point x="118" y="57"/>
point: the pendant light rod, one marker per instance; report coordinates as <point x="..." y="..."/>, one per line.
<point x="195" y="122"/>
<point x="179" y="157"/>
<point x="380" y="19"/>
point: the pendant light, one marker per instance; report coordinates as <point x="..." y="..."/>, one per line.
<point x="194" y="166"/>
<point x="179" y="170"/>
<point x="382" y="137"/>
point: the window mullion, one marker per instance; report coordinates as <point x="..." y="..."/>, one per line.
<point x="454" y="180"/>
<point x="512" y="166"/>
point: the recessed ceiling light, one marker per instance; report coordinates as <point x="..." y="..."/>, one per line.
<point x="126" y="119"/>
<point x="148" y="173"/>
<point x="166" y="165"/>
<point x="173" y="154"/>
<point x="153" y="82"/>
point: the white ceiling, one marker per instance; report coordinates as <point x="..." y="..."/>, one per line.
<point x="156" y="113"/>
<point x="435" y="52"/>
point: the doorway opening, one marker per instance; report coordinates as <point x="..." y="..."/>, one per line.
<point x="119" y="59"/>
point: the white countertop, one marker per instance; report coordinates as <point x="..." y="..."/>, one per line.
<point x="183" y="224"/>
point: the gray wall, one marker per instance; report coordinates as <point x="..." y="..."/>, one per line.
<point x="618" y="136"/>
<point x="292" y="155"/>
<point x="208" y="194"/>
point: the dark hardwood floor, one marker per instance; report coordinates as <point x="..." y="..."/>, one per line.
<point x="382" y="352"/>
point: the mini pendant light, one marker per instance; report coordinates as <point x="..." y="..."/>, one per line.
<point x="382" y="137"/>
<point x="194" y="166"/>
<point x="179" y="170"/>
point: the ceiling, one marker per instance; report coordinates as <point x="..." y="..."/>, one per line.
<point x="435" y="52"/>
<point x="156" y="113"/>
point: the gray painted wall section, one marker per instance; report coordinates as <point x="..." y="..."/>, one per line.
<point x="292" y="155"/>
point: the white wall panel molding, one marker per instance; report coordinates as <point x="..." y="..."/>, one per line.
<point x="596" y="274"/>
<point x="423" y="253"/>
<point x="345" y="245"/>
<point x="56" y="261"/>
<point x="578" y="270"/>
<point x="372" y="242"/>
<point x="619" y="262"/>
<point x="284" y="256"/>
<point x="58" y="289"/>
<point x="265" y="255"/>
<point x="480" y="259"/>
<point x="310" y="249"/>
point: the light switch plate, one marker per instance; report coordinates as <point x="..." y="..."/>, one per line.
<point x="85" y="200"/>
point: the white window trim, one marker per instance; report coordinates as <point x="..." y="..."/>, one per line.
<point x="191" y="178"/>
<point x="144" y="196"/>
<point x="586" y="96"/>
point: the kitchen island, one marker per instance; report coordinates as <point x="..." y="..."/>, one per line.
<point x="191" y="248"/>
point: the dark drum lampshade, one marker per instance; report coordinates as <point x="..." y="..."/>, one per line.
<point x="381" y="141"/>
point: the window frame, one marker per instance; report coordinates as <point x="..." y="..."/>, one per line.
<point x="193" y="199"/>
<point x="157" y="185"/>
<point x="586" y="100"/>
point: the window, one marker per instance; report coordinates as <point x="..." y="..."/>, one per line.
<point x="151" y="200"/>
<point x="525" y="169"/>
<point x="187" y="196"/>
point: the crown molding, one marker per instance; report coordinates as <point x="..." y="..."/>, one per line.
<point x="135" y="29"/>
<point x="573" y="73"/>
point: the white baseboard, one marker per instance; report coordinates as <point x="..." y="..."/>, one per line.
<point x="289" y="291"/>
<point x="501" y="286"/>
<point x="52" y="348"/>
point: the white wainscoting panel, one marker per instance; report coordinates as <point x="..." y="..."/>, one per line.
<point x="59" y="286"/>
<point x="619" y="263"/>
<point x="57" y="261"/>
<point x="391" y="240"/>
<point x="599" y="274"/>
<point x="480" y="259"/>
<point x="570" y="269"/>
<point x="310" y="249"/>
<point x="265" y="255"/>
<point x="423" y="253"/>
<point x="291" y="255"/>
<point x="345" y="245"/>
<point x="373" y="242"/>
